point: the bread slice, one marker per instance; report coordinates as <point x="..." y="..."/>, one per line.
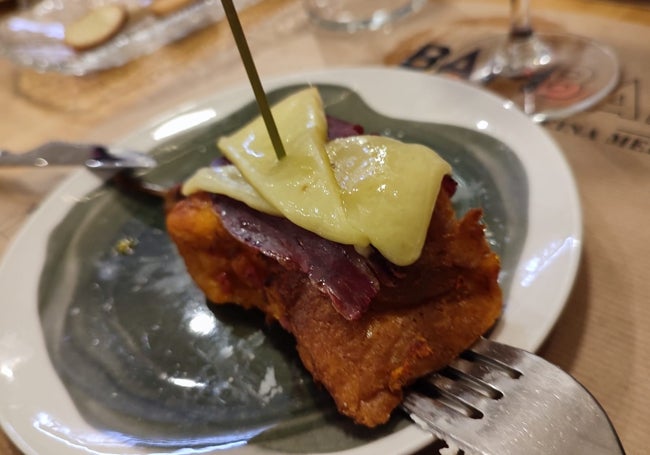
<point x="422" y="316"/>
<point x="97" y="27"/>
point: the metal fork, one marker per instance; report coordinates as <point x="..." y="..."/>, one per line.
<point x="497" y="400"/>
<point x="93" y="156"/>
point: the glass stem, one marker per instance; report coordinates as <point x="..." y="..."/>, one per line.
<point x="520" y="19"/>
<point x="523" y="52"/>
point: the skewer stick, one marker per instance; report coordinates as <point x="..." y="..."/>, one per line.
<point x="253" y="76"/>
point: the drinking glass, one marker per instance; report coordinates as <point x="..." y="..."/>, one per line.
<point x="355" y="15"/>
<point x="549" y="76"/>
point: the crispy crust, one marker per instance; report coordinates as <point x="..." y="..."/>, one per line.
<point x="434" y="310"/>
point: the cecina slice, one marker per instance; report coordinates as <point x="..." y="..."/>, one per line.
<point x="95" y="28"/>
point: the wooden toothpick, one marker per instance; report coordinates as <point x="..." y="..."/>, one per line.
<point x="253" y="77"/>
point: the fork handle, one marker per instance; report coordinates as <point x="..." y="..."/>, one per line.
<point x="8" y="158"/>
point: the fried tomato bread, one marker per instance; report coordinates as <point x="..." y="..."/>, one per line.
<point x="421" y="317"/>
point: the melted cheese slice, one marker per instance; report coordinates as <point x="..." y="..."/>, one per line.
<point x="389" y="189"/>
<point x="360" y="190"/>
<point x="227" y="180"/>
<point x="301" y="186"/>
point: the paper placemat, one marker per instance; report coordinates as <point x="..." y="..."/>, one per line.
<point x="602" y="337"/>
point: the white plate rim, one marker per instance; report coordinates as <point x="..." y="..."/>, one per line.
<point x="540" y="288"/>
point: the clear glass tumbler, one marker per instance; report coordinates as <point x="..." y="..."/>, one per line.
<point x="355" y="15"/>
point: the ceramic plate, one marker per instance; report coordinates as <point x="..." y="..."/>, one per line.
<point x="107" y="347"/>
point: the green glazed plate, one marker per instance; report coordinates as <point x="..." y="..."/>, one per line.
<point x="108" y="346"/>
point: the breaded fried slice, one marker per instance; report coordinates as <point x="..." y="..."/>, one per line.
<point x="422" y="317"/>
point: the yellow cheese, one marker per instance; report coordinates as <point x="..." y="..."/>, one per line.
<point x="301" y="185"/>
<point x="227" y="180"/>
<point x="389" y="189"/>
<point x="359" y="190"/>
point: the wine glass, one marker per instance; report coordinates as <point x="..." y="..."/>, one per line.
<point x="549" y="76"/>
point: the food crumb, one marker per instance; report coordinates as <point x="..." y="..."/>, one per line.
<point x="269" y="386"/>
<point x="126" y="246"/>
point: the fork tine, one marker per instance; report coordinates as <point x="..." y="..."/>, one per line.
<point x="451" y="403"/>
<point x="437" y="412"/>
<point x="476" y="376"/>
<point x="483" y="371"/>
<point x="455" y="394"/>
<point x="499" y="355"/>
<point x="445" y="421"/>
